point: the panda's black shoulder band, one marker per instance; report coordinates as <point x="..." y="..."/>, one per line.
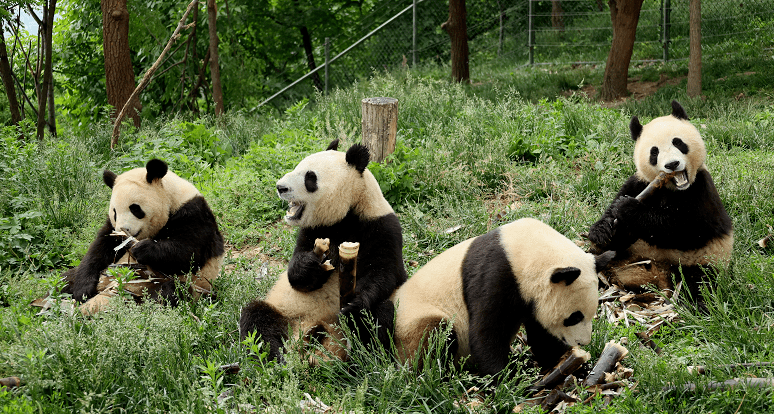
<point x="358" y="157"/>
<point x="156" y="168"/>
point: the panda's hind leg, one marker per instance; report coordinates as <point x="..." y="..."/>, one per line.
<point x="267" y="323"/>
<point x="412" y="339"/>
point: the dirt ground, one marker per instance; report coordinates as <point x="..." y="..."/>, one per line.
<point x="638" y="89"/>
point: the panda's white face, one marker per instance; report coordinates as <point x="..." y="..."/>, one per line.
<point x="556" y="276"/>
<point x="670" y="145"/>
<point x="136" y="212"/>
<point x="320" y="190"/>
<point x="575" y="308"/>
<point x="141" y="209"/>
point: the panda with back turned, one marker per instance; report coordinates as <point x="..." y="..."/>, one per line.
<point x="523" y="273"/>
<point x="176" y="231"/>
<point x="682" y="227"/>
<point x="333" y="196"/>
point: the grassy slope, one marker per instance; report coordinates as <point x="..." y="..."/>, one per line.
<point x="467" y="156"/>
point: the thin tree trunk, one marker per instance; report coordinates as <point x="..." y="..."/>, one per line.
<point x="694" y="65"/>
<point x="7" y="74"/>
<point x="624" y="14"/>
<point x="456" y="27"/>
<point x="306" y="39"/>
<point x="49" y="73"/>
<point x="557" y="15"/>
<point x="46" y="33"/>
<point x="217" y="91"/>
<point x="119" y="73"/>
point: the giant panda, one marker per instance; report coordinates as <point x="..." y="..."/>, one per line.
<point x="679" y="229"/>
<point x="523" y="273"/>
<point x="333" y="196"/>
<point x="176" y="231"/>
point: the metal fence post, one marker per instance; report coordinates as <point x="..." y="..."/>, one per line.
<point x="414" y="38"/>
<point x="530" y="34"/>
<point x="666" y="11"/>
<point x="327" y="53"/>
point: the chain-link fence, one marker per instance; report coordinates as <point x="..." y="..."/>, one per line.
<point x="522" y="32"/>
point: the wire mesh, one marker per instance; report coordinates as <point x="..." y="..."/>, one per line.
<point x="563" y="32"/>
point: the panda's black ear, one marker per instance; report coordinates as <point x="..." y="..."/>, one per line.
<point x="157" y="169"/>
<point x="334" y="145"/>
<point x="602" y="260"/>
<point x="358" y="157"/>
<point x="109" y="177"/>
<point x="566" y="275"/>
<point x="678" y="111"/>
<point x="635" y="127"/>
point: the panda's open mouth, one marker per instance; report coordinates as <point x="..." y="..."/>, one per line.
<point x="681" y="180"/>
<point x="295" y="211"/>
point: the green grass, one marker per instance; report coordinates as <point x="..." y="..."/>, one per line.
<point x="515" y="143"/>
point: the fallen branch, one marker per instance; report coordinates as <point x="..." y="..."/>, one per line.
<point x="146" y="78"/>
<point x="703" y="369"/>
<point x="715" y="385"/>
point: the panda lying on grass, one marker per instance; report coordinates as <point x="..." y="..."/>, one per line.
<point x="175" y="229"/>
<point x="333" y="196"/>
<point x="682" y="227"/>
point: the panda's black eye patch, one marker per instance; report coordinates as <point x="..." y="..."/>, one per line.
<point x="574" y="319"/>
<point x="310" y="181"/>
<point x="137" y="211"/>
<point x="653" y="156"/>
<point x="679" y="144"/>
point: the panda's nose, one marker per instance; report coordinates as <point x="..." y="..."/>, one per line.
<point x="672" y="165"/>
<point x="281" y="189"/>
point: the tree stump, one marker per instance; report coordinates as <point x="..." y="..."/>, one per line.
<point x="380" y="125"/>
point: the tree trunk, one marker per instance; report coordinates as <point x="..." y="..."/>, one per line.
<point x="306" y="38"/>
<point x="49" y="74"/>
<point x="624" y="14"/>
<point x="694" y="65"/>
<point x="557" y="15"/>
<point x="119" y="74"/>
<point x="456" y="27"/>
<point x="46" y="30"/>
<point x="7" y="74"/>
<point x="217" y="90"/>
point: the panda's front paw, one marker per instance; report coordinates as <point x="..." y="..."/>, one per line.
<point x="83" y="292"/>
<point x="601" y="233"/>
<point x="306" y="273"/>
<point x="625" y="208"/>
<point x="143" y="251"/>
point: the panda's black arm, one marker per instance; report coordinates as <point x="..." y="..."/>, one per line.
<point x="100" y="255"/>
<point x="380" y="267"/>
<point x="304" y="271"/>
<point x="185" y="243"/>
<point x="619" y="226"/>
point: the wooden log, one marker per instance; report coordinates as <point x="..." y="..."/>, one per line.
<point x="10" y="382"/>
<point x="347" y="272"/>
<point x="657" y="182"/>
<point x="230" y="368"/>
<point x="380" y="126"/>
<point x="612" y="353"/>
<point x="566" y="366"/>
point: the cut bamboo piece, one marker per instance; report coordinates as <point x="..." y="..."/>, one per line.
<point x="612" y="353"/>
